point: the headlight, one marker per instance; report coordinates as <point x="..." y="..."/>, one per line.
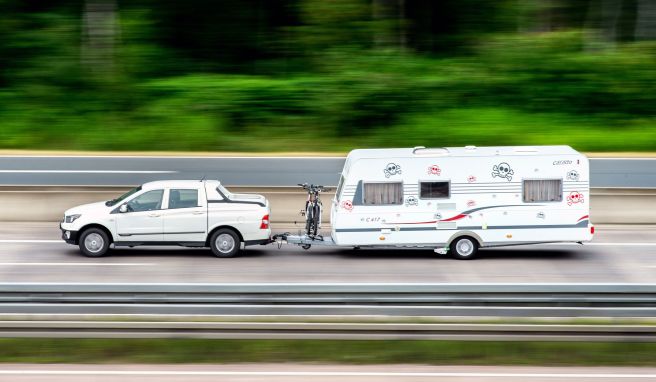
<point x="71" y="218"/>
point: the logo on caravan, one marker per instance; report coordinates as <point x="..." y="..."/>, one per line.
<point x="502" y="170"/>
<point x="434" y="170"/>
<point x="562" y="162"/>
<point x="574" y="197"/>
<point x="392" y="169"/>
<point x="347" y="205"/>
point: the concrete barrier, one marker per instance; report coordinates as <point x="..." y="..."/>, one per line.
<point x="608" y="206"/>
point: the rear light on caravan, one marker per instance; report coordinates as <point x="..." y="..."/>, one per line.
<point x="265" y="222"/>
<point x="591" y="230"/>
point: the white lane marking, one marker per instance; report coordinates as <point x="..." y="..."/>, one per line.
<point x="84" y="172"/>
<point x="30" y="241"/>
<point x="328" y="374"/>
<point x="621" y="244"/>
<point x="80" y="264"/>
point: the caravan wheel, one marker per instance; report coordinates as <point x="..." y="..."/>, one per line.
<point x="464" y="248"/>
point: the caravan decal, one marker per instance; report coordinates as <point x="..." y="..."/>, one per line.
<point x="573" y="175"/>
<point x="392" y="169"/>
<point x="434" y="170"/>
<point x="586" y="217"/>
<point x="347" y="205"/>
<point x="502" y="170"/>
<point x="411" y="201"/>
<point x="461" y="215"/>
<point x="468" y="212"/>
<point x="574" y="197"/>
<point x="471" y="178"/>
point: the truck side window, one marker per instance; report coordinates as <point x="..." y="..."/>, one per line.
<point x="180" y="198"/>
<point x="434" y="190"/>
<point x="542" y="190"/>
<point x="148" y="201"/>
<point x="376" y="194"/>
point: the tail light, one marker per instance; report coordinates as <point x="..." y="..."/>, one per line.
<point x="265" y="222"/>
<point x="591" y="230"/>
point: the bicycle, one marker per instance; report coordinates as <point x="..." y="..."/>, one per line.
<point x="313" y="209"/>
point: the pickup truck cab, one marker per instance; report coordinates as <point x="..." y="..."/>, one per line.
<point x="187" y="213"/>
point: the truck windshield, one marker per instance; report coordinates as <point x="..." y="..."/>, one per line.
<point x="112" y="202"/>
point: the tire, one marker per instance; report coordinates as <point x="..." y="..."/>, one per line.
<point x="316" y="215"/>
<point x="464" y="248"/>
<point x="94" y="242"/>
<point x="225" y="243"/>
<point x="311" y="221"/>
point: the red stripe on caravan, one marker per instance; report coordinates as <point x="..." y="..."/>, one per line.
<point x="583" y="217"/>
<point x="430" y="222"/>
<point x="457" y="217"/>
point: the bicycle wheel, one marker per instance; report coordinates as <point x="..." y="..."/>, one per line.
<point x="309" y="217"/>
<point x="316" y="215"/>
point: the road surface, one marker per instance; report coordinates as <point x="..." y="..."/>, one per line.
<point x="244" y="171"/>
<point x="33" y="252"/>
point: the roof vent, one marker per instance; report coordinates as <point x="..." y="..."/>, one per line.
<point x="525" y="149"/>
<point x="431" y="152"/>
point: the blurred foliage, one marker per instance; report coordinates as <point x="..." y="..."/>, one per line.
<point x="312" y="75"/>
<point x="147" y="351"/>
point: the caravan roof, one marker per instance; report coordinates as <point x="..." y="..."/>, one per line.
<point x="467" y="151"/>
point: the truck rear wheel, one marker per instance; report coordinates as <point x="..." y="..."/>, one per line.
<point x="225" y="243"/>
<point x="464" y="248"/>
<point x="94" y="242"/>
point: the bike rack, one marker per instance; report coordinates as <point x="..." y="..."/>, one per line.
<point x="302" y="240"/>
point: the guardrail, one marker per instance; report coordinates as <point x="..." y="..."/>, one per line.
<point x="498" y="300"/>
<point x="334" y="331"/>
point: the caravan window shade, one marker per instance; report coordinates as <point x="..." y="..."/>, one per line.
<point x="543" y="190"/>
<point x="376" y="194"/>
<point x="433" y="190"/>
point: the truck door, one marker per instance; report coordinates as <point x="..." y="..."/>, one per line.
<point x="185" y="217"/>
<point x="142" y="222"/>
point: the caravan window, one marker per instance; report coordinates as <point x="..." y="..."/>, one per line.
<point x="338" y="193"/>
<point x="376" y="194"/>
<point x="542" y="190"/>
<point x="434" y="190"/>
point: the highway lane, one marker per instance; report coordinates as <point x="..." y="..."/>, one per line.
<point x="31" y="252"/>
<point x="317" y="373"/>
<point x="244" y="171"/>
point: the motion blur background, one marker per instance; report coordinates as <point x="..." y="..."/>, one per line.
<point x="311" y="75"/>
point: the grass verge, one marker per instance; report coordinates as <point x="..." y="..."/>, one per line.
<point x="35" y="350"/>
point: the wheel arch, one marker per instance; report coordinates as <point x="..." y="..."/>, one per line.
<point x="95" y="225"/>
<point x="460" y="234"/>
<point x="209" y="234"/>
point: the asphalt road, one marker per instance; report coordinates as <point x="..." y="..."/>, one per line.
<point x="317" y="373"/>
<point x="32" y="252"/>
<point x="243" y="171"/>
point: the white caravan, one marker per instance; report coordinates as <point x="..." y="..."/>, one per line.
<point x="461" y="199"/>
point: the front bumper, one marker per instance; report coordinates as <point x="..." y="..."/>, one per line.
<point x="68" y="236"/>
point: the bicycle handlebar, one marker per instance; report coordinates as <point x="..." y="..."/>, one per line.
<point x="313" y="187"/>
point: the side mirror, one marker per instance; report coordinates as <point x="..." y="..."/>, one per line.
<point x="123" y="208"/>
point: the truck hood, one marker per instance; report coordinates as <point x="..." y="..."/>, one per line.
<point x="88" y="208"/>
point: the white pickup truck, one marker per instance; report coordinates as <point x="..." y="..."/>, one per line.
<point x="179" y="212"/>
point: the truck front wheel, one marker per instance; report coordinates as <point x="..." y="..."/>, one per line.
<point x="94" y="242"/>
<point x="225" y="243"/>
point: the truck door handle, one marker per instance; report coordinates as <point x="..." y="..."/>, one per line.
<point x="198" y="212"/>
<point x="153" y="215"/>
